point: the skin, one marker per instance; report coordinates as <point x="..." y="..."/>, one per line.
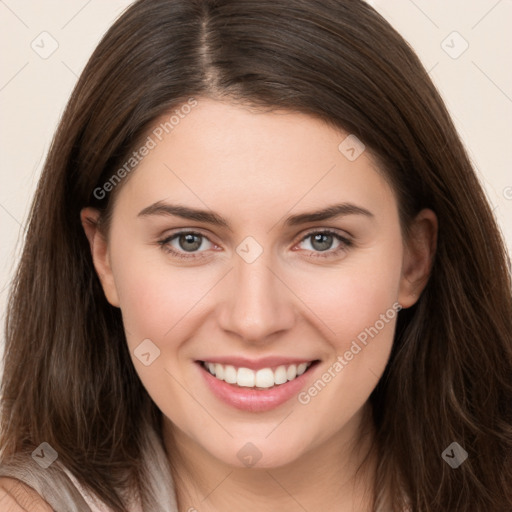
<point x="256" y="169"/>
<point x="16" y="496"/>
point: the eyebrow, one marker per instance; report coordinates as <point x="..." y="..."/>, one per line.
<point x="209" y="217"/>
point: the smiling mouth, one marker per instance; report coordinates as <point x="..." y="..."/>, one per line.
<point x="264" y="378"/>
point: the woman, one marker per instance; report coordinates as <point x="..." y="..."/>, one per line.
<point x="260" y="273"/>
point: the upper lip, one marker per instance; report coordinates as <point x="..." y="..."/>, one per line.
<point x="257" y="364"/>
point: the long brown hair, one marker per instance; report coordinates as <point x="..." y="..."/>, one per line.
<point x="68" y="378"/>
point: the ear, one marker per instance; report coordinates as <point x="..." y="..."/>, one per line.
<point x="100" y="253"/>
<point x="420" y="248"/>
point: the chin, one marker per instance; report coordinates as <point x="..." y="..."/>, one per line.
<point x="259" y="453"/>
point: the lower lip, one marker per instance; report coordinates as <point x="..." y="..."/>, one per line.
<point x="254" y="399"/>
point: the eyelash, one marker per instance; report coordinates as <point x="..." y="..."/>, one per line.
<point x="345" y="244"/>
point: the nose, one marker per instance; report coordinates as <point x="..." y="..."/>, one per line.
<point x="259" y="303"/>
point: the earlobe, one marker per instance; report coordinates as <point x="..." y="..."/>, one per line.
<point x="100" y="253"/>
<point x="420" y="248"/>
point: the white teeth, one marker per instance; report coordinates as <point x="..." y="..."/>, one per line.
<point x="219" y="371"/>
<point x="263" y="378"/>
<point x="301" y="368"/>
<point x="230" y="374"/>
<point x="245" y="377"/>
<point x="280" y="375"/>
<point x="291" y="373"/>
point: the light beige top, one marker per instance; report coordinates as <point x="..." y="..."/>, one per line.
<point x="97" y="506"/>
<point x="62" y="491"/>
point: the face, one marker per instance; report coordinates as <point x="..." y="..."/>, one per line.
<point x="220" y="263"/>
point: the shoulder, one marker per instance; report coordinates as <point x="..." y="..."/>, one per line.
<point x="15" y="496"/>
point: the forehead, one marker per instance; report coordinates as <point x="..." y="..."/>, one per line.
<point x="223" y="154"/>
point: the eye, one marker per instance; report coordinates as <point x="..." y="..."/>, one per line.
<point x="322" y="242"/>
<point x="183" y="242"/>
<point x="187" y="244"/>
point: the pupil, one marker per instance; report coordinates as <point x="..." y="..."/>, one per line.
<point x="325" y="241"/>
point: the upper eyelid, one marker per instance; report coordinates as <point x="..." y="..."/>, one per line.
<point x="340" y="232"/>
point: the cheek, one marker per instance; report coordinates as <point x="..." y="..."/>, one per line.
<point x="154" y="295"/>
<point x="155" y="299"/>
<point x="363" y="322"/>
<point x="364" y="300"/>
<point x="361" y="310"/>
<point x="158" y="303"/>
<point x="352" y="297"/>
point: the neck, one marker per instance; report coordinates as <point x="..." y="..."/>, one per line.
<point x="324" y="478"/>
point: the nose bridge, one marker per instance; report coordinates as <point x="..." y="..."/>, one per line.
<point x="259" y="304"/>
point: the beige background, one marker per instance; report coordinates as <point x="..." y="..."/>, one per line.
<point x="34" y="87"/>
